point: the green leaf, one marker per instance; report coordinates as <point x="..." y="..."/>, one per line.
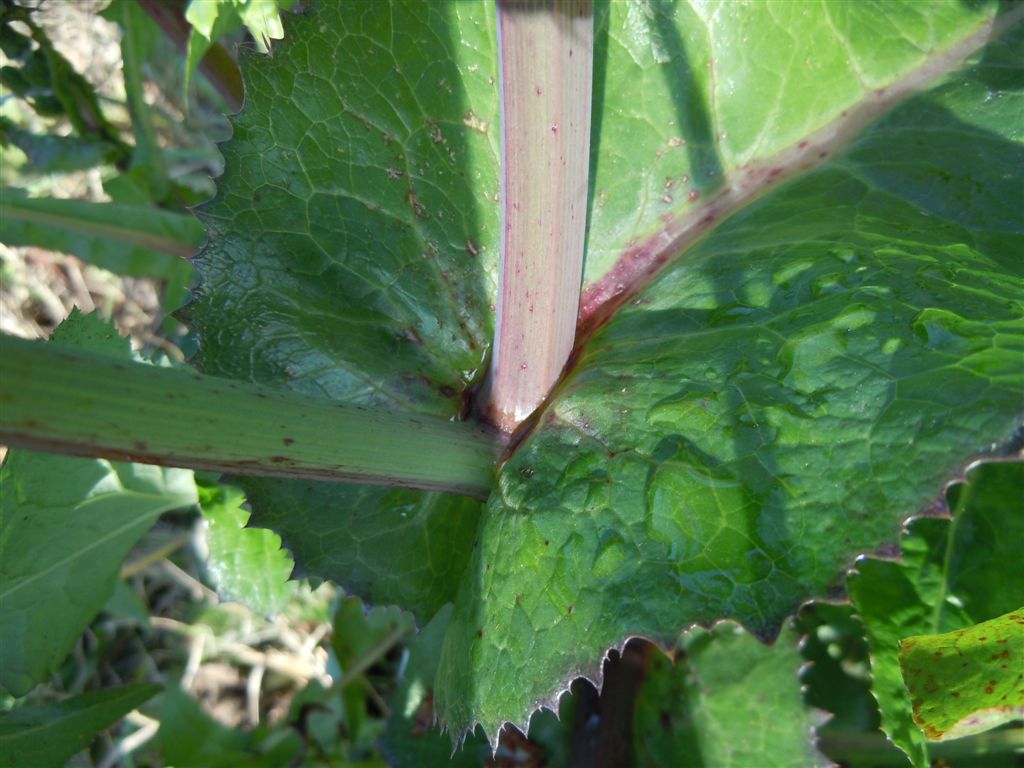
<point x="62" y="543"/>
<point x="47" y="735"/>
<point x="730" y="437"/>
<point x="356" y="216"/>
<point x="389" y="545"/>
<point x="247" y="564"/>
<point x="190" y="737"/>
<point x="728" y="701"/>
<point x="361" y="639"/>
<point x="136" y="240"/>
<point x="50" y="153"/>
<point x="210" y="20"/>
<point x="967" y="681"/>
<point x="699" y="105"/>
<point x="354" y="212"/>
<point x="953" y="575"/>
<point x="774" y="404"/>
<point x="262" y="19"/>
<point x="412" y="736"/>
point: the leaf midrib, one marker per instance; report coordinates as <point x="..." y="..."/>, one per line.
<point x="661" y="249"/>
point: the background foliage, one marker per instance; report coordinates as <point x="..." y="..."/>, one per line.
<point x="918" y="282"/>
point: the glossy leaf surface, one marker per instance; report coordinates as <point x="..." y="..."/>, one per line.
<point x="774" y="404"/>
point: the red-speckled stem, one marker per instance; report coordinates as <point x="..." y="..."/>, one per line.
<point x="546" y="69"/>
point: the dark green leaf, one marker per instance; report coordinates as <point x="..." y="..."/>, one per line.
<point x="389" y="545"/>
<point x="47" y="735"/>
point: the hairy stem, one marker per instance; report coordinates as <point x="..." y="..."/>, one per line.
<point x="546" y="51"/>
<point x="62" y="400"/>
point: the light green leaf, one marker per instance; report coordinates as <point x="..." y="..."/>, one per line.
<point x="729" y="701"/>
<point x="699" y="103"/>
<point x="66" y="525"/>
<point x="136" y="240"/>
<point x="967" y="681"/>
<point x="262" y="19"/>
<point x="247" y="564"/>
<point x="47" y="735"/>
<point x="953" y="575"/>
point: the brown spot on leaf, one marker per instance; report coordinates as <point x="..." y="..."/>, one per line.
<point x="288" y="441"/>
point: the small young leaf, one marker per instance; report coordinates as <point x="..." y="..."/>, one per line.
<point x="966" y="681"/>
<point x="247" y="564"/>
<point x="46" y="736"/>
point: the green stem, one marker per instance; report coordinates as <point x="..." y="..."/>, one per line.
<point x="61" y="400"/>
<point x="147" y="153"/>
<point x="546" y="71"/>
